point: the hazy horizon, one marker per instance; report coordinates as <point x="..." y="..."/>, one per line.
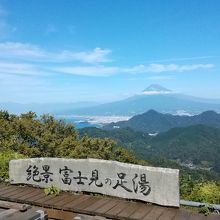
<point x="76" y="51"/>
<point x="89" y="102"/>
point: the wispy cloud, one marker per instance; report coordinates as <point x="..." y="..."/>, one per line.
<point x="35" y="69"/>
<point x="20" y="50"/>
<point x="23" y="58"/>
<point x="151" y="68"/>
<point x="154" y="78"/>
<point x="158" y="68"/>
<point x="97" y="55"/>
<point x="18" y="69"/>
<point x="35" y="53"/>
<point x="180" y="59"/>
<point x="88" y="70"/>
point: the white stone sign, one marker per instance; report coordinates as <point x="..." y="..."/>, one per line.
<point x="151" y="184"/>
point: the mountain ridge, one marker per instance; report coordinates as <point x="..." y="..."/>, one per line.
<point x="137" y="104"/>
<point x="154" y="97"/>
<point x="155" y="122"/>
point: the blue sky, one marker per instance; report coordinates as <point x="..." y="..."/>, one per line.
<point x="104" y="50"/>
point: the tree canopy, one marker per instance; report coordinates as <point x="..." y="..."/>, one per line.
<point x="45" y="136"/>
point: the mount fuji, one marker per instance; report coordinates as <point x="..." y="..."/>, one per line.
<point x="156" y="89"/>
<point x="154" y="97"/>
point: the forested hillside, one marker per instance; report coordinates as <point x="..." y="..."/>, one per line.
<point x="153" y="121"/>
<point x="197" y="146"/>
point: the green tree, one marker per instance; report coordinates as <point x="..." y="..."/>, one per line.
<point x="45" y="136"/>
<point x="208" y="192"/>
<point x="5" y="157"/>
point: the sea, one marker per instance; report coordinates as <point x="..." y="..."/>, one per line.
<point x="98" y="121"/>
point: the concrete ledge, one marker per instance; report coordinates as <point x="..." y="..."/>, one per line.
<point x="150" y="184"/>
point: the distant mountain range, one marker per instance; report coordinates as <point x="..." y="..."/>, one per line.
<point x="154" y="97"/>
<point x="155" y="122"/>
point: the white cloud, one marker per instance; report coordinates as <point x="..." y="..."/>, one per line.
<point x="97" y="55"/>
<point x="88" y="70"/>
<point x="181" y="59"/>
<point x="35" y="53"/>
<point x="151" y="68"/>
<point x="159" y="68"/>
<point x="41" y="70"/>
<point x="194" y="67"/>
<point x="18" y="68"/>
<point x="18" y="56"/>
<point x="20" y="50"/>
<point x="155" y="92"/>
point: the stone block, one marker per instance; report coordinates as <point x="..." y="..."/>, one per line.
<point x="150" y="184"/>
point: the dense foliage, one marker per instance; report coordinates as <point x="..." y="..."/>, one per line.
<point x="5" y="157"/>
<point x="206" y="192"/>
<point x="30" y="136"/>
<point x="198" y="189"/>
<point x="196" y="146"/>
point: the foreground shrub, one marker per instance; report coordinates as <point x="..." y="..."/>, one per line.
<point x="5" y="157"/>
<point x="208" y="192"/>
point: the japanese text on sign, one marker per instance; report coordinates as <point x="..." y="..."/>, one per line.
<point x="43" y="174"/>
